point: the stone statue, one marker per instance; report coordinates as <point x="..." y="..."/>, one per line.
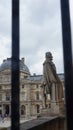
<point x="48" y="67"/>
<point x="49" y="72"/>
<point x="51" y="83"/>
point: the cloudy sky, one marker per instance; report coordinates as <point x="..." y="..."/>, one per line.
<point x="40" y="32"/>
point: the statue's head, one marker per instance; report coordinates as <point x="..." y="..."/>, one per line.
<point x="49" y="56"/>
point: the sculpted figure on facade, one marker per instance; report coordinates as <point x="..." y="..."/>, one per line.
<point x="50" y="76"/>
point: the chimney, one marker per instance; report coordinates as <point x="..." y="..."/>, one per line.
<point x="34" y="74"/>
<point x="23" y="60"/>
<point x="4" y="60"/>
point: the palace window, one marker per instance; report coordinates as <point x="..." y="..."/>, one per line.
<point x="23" y="110"/>
<point x="37" y="96"/>
<point x="0" y="87"/>
<point x="25" y="77"/>
<point x="49" y="105"/>
<point x="23" y="86"/>
<point x="0" y="97"/>
<point x="8" y="97"/>
<point x="38" y="108"/>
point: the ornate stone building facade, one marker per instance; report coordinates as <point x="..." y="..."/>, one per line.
<point x="31" y="92"/>
<point x="32" y="100"/>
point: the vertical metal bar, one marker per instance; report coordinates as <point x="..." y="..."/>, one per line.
<point x="67" y="51"/>
<point x="15" y="67"/>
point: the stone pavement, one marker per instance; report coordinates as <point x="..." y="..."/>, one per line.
<point x="7" y="123"/>
<point x="29" y="124"/>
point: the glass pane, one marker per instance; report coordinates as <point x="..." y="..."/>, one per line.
<point x="71" y="16"/>
<point x="5" y="62"/>
<point x="40" y="32"/>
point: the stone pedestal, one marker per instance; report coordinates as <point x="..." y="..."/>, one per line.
<point x="54" y="104"/>
<point x="54" y="108"/>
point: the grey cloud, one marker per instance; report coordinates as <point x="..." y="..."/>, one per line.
<point x="40" y="31"/>
<point x="40" y="10"/>
<point x="5" y="18"/>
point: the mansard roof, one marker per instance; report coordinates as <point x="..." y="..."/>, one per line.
<point x="7" y="65"/>
<point x="40" y="77"/>
<point x="36" y="77"/>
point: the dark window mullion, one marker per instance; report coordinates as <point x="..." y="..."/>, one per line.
<point x="67" y="51"/>
<point x="15" y="67"/>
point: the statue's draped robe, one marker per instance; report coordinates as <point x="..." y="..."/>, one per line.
<point x="50" y="76"/>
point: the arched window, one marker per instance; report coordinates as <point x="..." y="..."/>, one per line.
<point x="7" y="109"/>
<point x="8" y="97"/>
<point x="23" y="110"/>
<point x="37" y="96"/>
<point x="0" y="87"/>
<point x="38" y="108"/>
<point x="0" y="97"/>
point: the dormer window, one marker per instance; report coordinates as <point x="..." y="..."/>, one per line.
<point x="0" y="87"/>
<point x="0" y="97"/>
<point x="25" y="77"/>
<point x="23" y="86"/>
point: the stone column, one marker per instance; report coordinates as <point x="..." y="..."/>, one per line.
<point x="28" y="102"/>
<point x="2" y="109"/>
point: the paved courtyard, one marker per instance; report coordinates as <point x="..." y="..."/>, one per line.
<point x="7" y="123"/>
